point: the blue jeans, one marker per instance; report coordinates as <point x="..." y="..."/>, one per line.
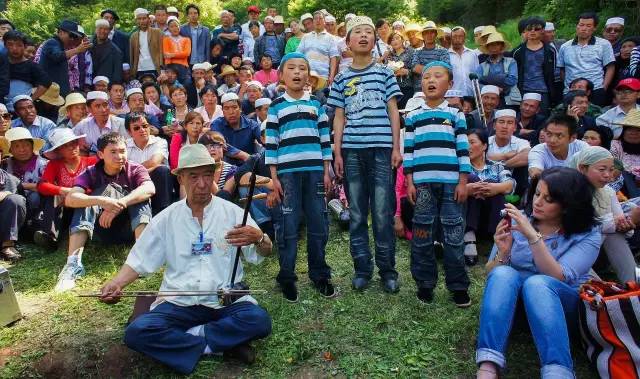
<point x="86" y="219"/>
<point x="161" y="333"/>
<point x="435" y="202"/>
<point x="259" y="210"/>
<point x="369" y="183"/>
<point x="549" y="305"/>
<point x="303" y="192"/>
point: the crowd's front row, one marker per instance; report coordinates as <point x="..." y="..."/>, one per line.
<point x="539" y="259"/>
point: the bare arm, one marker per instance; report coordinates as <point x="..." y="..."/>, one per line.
<point x="240" y="155"/>
<point x="333" y="68"/>
<point x="153" y="162"/>
<point x="38" y="92"/>
<point x="608" y="75"/>
<point x="140" y="194"/>
<point x="417" y="69"/>
<point x="521" y="159"/>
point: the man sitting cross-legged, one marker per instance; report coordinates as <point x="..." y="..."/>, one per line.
<point x="107" y="196"/>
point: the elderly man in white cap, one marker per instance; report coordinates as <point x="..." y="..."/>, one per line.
<point x="38" y="126"/>
<point x="145" y="48"/>
<point x="135" y="102"/>
<point x="106" y="57"/>
<point x="490" y="97"/>
<point x="112" y="202"/>
<point x="321" y="50"/>
<point x="101" y="83"/>
<point x="530" y="119"/>
<point x="99" y="122"/>
<point x="241" y="133"/>
<point x="205" y="233"/>
<point x="613" y="32"/>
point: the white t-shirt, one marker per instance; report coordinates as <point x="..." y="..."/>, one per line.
<point x="145" y="63"/>
<point x="541" y="157"/>
<point x="515" y="144"/>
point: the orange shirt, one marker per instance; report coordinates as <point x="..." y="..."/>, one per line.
<point x="181" y="47"/>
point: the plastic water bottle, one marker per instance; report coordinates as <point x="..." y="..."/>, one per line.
<point x="170" y="117"/>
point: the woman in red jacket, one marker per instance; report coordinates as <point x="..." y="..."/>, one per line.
<point x="56" y="182"/>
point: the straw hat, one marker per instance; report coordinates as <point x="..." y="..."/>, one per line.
<point x="52" y="95"/>
<point x="414" y="28"/>
<point x="59" y="137"/>
<point x="493" y="38"/>
<point x="16" y="134"/>
<point x="430" y="25"/>
<point x="488" y="30"/>
<point x="72" y="99"/>
<point x="192" y="156"/>
<point x="631" y="119"/>
<point x="228" y="70"/>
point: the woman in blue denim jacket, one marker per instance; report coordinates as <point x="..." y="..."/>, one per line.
<point x="540" y="261"/>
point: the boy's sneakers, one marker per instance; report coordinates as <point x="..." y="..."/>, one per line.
<point x="70" y="272"/>
<point x="289" y="291"/>
<point x="425" y="295"/>
<point x="461" y="298"/>
<point x="325" y="288"/>
<point x="390" y="285"/>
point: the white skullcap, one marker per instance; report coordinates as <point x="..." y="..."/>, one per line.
<point x="615" y="20"/>
<point x="20" y="98"/>
<point x="173" y="18"/>
<point x="3" y="108"/>
<point x="132" y="91"/>
<point x="102" y="23"/>
<point x="172" y="10"/>
<point x="490" y="89"/>
<point x="418" y="94"/>
<point x="97" y="95"/>
<point x="126" y="66"/>
<point x="224" y="12"/>
<point x="397" y="23"/>
<point x="446" y="29"/>
<point x="532" y="96"/>
<point x="304" y="17"/>
<point x="548" y="26"/>
<point x="100" y="79"/>
<point x="269" y="18"/>
<point x="505" y="113"/>
<point x="329" y="18"/>
<point x="199" y="66"/>
<point x="263" y="101"/>
<point x="349" y="16"/>
<point x="255" y="83"/>
<point x="453" y="93"/>
<point x="478" y="29"/>
<point x="287" y="30"/>
<point x="140" y="12"/>
<point x="229" y="96"/>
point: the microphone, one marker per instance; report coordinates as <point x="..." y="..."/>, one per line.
<point x="473" y="76"/>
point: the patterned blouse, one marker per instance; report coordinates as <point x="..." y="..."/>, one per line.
<point x="631" y="162"/>
<point x="405" y="57"/>
<point x="493" y="172"/>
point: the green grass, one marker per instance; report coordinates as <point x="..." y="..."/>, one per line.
<point x="354" y="335"/>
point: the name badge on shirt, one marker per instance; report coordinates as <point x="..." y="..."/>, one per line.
<point x="204" y="246"/>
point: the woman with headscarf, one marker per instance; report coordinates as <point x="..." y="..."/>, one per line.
<point x="596" y="163"/>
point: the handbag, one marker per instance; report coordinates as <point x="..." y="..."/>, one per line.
<point x="610" y="327"/>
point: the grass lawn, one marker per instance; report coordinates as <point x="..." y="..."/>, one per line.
<point x="372" y="334"/>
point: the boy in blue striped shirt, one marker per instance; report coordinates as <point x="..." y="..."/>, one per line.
<point x="298" y="152"/>
<point x="436" y="164"/>
<point x="367" y="148"/>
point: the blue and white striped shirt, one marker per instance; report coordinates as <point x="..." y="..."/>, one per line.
<point x="297" y="135"/>
<point x="436" y="148"/>
<point x="363" y="94"/>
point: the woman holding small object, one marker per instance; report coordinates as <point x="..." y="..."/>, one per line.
<point x="539" y="261"/>
<point x="399" y="60"/>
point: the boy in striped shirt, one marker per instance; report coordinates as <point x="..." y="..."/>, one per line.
<point x="298" y="152"/>
<point x="436" y="164"/>
<point x="367" y="148"/>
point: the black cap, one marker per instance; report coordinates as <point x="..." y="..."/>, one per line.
<point x="71" y="27"/>
<point x="112" y="12"/>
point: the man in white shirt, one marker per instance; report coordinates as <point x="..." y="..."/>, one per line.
<point x="627" y="93"/>
<point x="560" y="145"/>
<point x="145" y="46"/>
<point x="151" y="152"/>
<point x="463" y="60"/>
<point x="321" y="50"/>
<point x="99" y="123"/>
<point x="196" y="240"/>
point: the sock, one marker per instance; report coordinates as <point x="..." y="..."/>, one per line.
<point x="207" y="350"/>
<point x="470" y="236"/>
<point x="197" y="331"/>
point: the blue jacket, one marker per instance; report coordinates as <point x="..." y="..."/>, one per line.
<point x="203" y="42"/>
<point x="53" y="61"/>
<point x="4" y="77"/>
<point x="121" y="40"/>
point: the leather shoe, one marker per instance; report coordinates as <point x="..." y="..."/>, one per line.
<point x="243" y="353"/>
<point x="359" y="283"/>
<point x="390" y="285"/>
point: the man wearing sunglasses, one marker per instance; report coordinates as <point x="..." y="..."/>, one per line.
<point x="5" y="120"/>
<point x="153" y="153"/>
<point x="536" y="63"/>
<point x="613" y="31"/>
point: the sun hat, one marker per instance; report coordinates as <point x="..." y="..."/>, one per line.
<point x="228" y="70"/>
<point x="59" y="137"/>
<point x="458" y="27"/>
<point x="229" y="96"/>
<point x="192" y="156"/>
<point x="445" y="29"/>
<point x="208" y="66"/>
<point x="359" y="20"/>
<point x="505" y="113"/>
<point x="132" y="91"/>
<point x="490" y="89"/>
<point x="278" y="20"/>
<point x="532" y="96"/>
<point x="631" y="119"/>
<point x="20" y="133"/>
<point x="199" y="66"/>
<point x="52" y="95"/>
<point x="494" y="38"/>
<point x="72" y="99"/>
<point x="430" y="25"/>
<point x="330" y="19"/>
<point x="263" y="101"/>
<point x="306" y="16"/>
<point x="488" y="30"/>
<point x="97" y="95"/>
<point x="100" y="78"/>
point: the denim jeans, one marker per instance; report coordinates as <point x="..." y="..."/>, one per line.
<point x="303" y="193"/>
<point x="86" y="219"/>
<point x="549" y="306"/>
<point x="259" y="211"/>
<point x="369" y="183"/>
<point x="436" y="201"/>
<point x="161" y="178"/>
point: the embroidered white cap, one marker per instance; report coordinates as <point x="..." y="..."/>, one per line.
<point x="505" y="113"/>
<point x="229" y="96"/>
<point x="97" y="95"/>
<point x="453" y="93"/>
<point x="531" y="96"/>
<point x="140" y="12"/>
<point x="490" y="89"/>
<point x="132" y="91"/>
<point x="548" y="26"/>
<point x="100" y="78"/>
<point x="615" y="20"/>
<point x="263" y="101"/>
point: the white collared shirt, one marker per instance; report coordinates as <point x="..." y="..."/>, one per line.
<point x="515" y="144"/>
<point x="167" y="241"/>
<point x="610" y="119"/>
<point x="154" y="146"/>
<point x="145" y="62"/>
<point x="463" y="65"/>
<point x="92" y="131"/>
<point x="319" y="48"/>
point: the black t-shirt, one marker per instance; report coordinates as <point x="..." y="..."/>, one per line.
<point x="29" y="72"/>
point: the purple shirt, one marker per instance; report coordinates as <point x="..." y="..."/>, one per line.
<point x="130" y="177"/>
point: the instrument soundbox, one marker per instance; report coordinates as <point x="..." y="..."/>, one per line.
<point x="9" y="308"/>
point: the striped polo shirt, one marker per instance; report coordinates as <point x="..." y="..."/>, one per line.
<point x="436" y="148"/>
<point x="363" y="94"/>
<point x="297" y="135"/>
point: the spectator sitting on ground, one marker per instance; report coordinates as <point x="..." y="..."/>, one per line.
<point x="28" y="118"/>
<point x="241" y="133"/>
<point x="577" y="103"/>
<point x="5" y="120"/>
<point x="490" y="97"/>
<point x="627" y="150"/>
<point x="254" y="92"/>
<point x="597" y="135"/>
<point x="101" y="83"/>
<point x="117" y="105"/>
<point x="155" y="104"/>
<point x="107" y="197"/>
<point x="210" y="110"/>
<point x="267" y="74"/>
<point x="74" y="110"/>
<point x="99" y="123"/>
<point x="230" y="78"/>
<point x="215" y="144"/>
<point x="530" y="120"/>
<point x="262" y="107"/>
<point x="136" y="103"/>
<point x="13" y="208"/>
<point x="189" y="135"/>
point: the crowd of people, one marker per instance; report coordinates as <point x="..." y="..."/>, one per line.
<point x="151" y="136"/>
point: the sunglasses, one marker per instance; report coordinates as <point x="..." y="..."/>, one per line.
<point x="6" y="116"/>
<point x="613" y="30"/>
<point x="534" y="28"/>
<point x="136" y="128"/>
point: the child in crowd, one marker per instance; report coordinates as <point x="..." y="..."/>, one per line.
<point x="298" y="152"/>
<point x="13" y="209"/>
<point x="367" y="148"/>
<point x="436" y="165"/>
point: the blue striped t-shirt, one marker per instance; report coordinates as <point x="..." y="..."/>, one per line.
<point x="297" y="135"/>
<point x="363" y="94"/>
<point x="436" y="148"/>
